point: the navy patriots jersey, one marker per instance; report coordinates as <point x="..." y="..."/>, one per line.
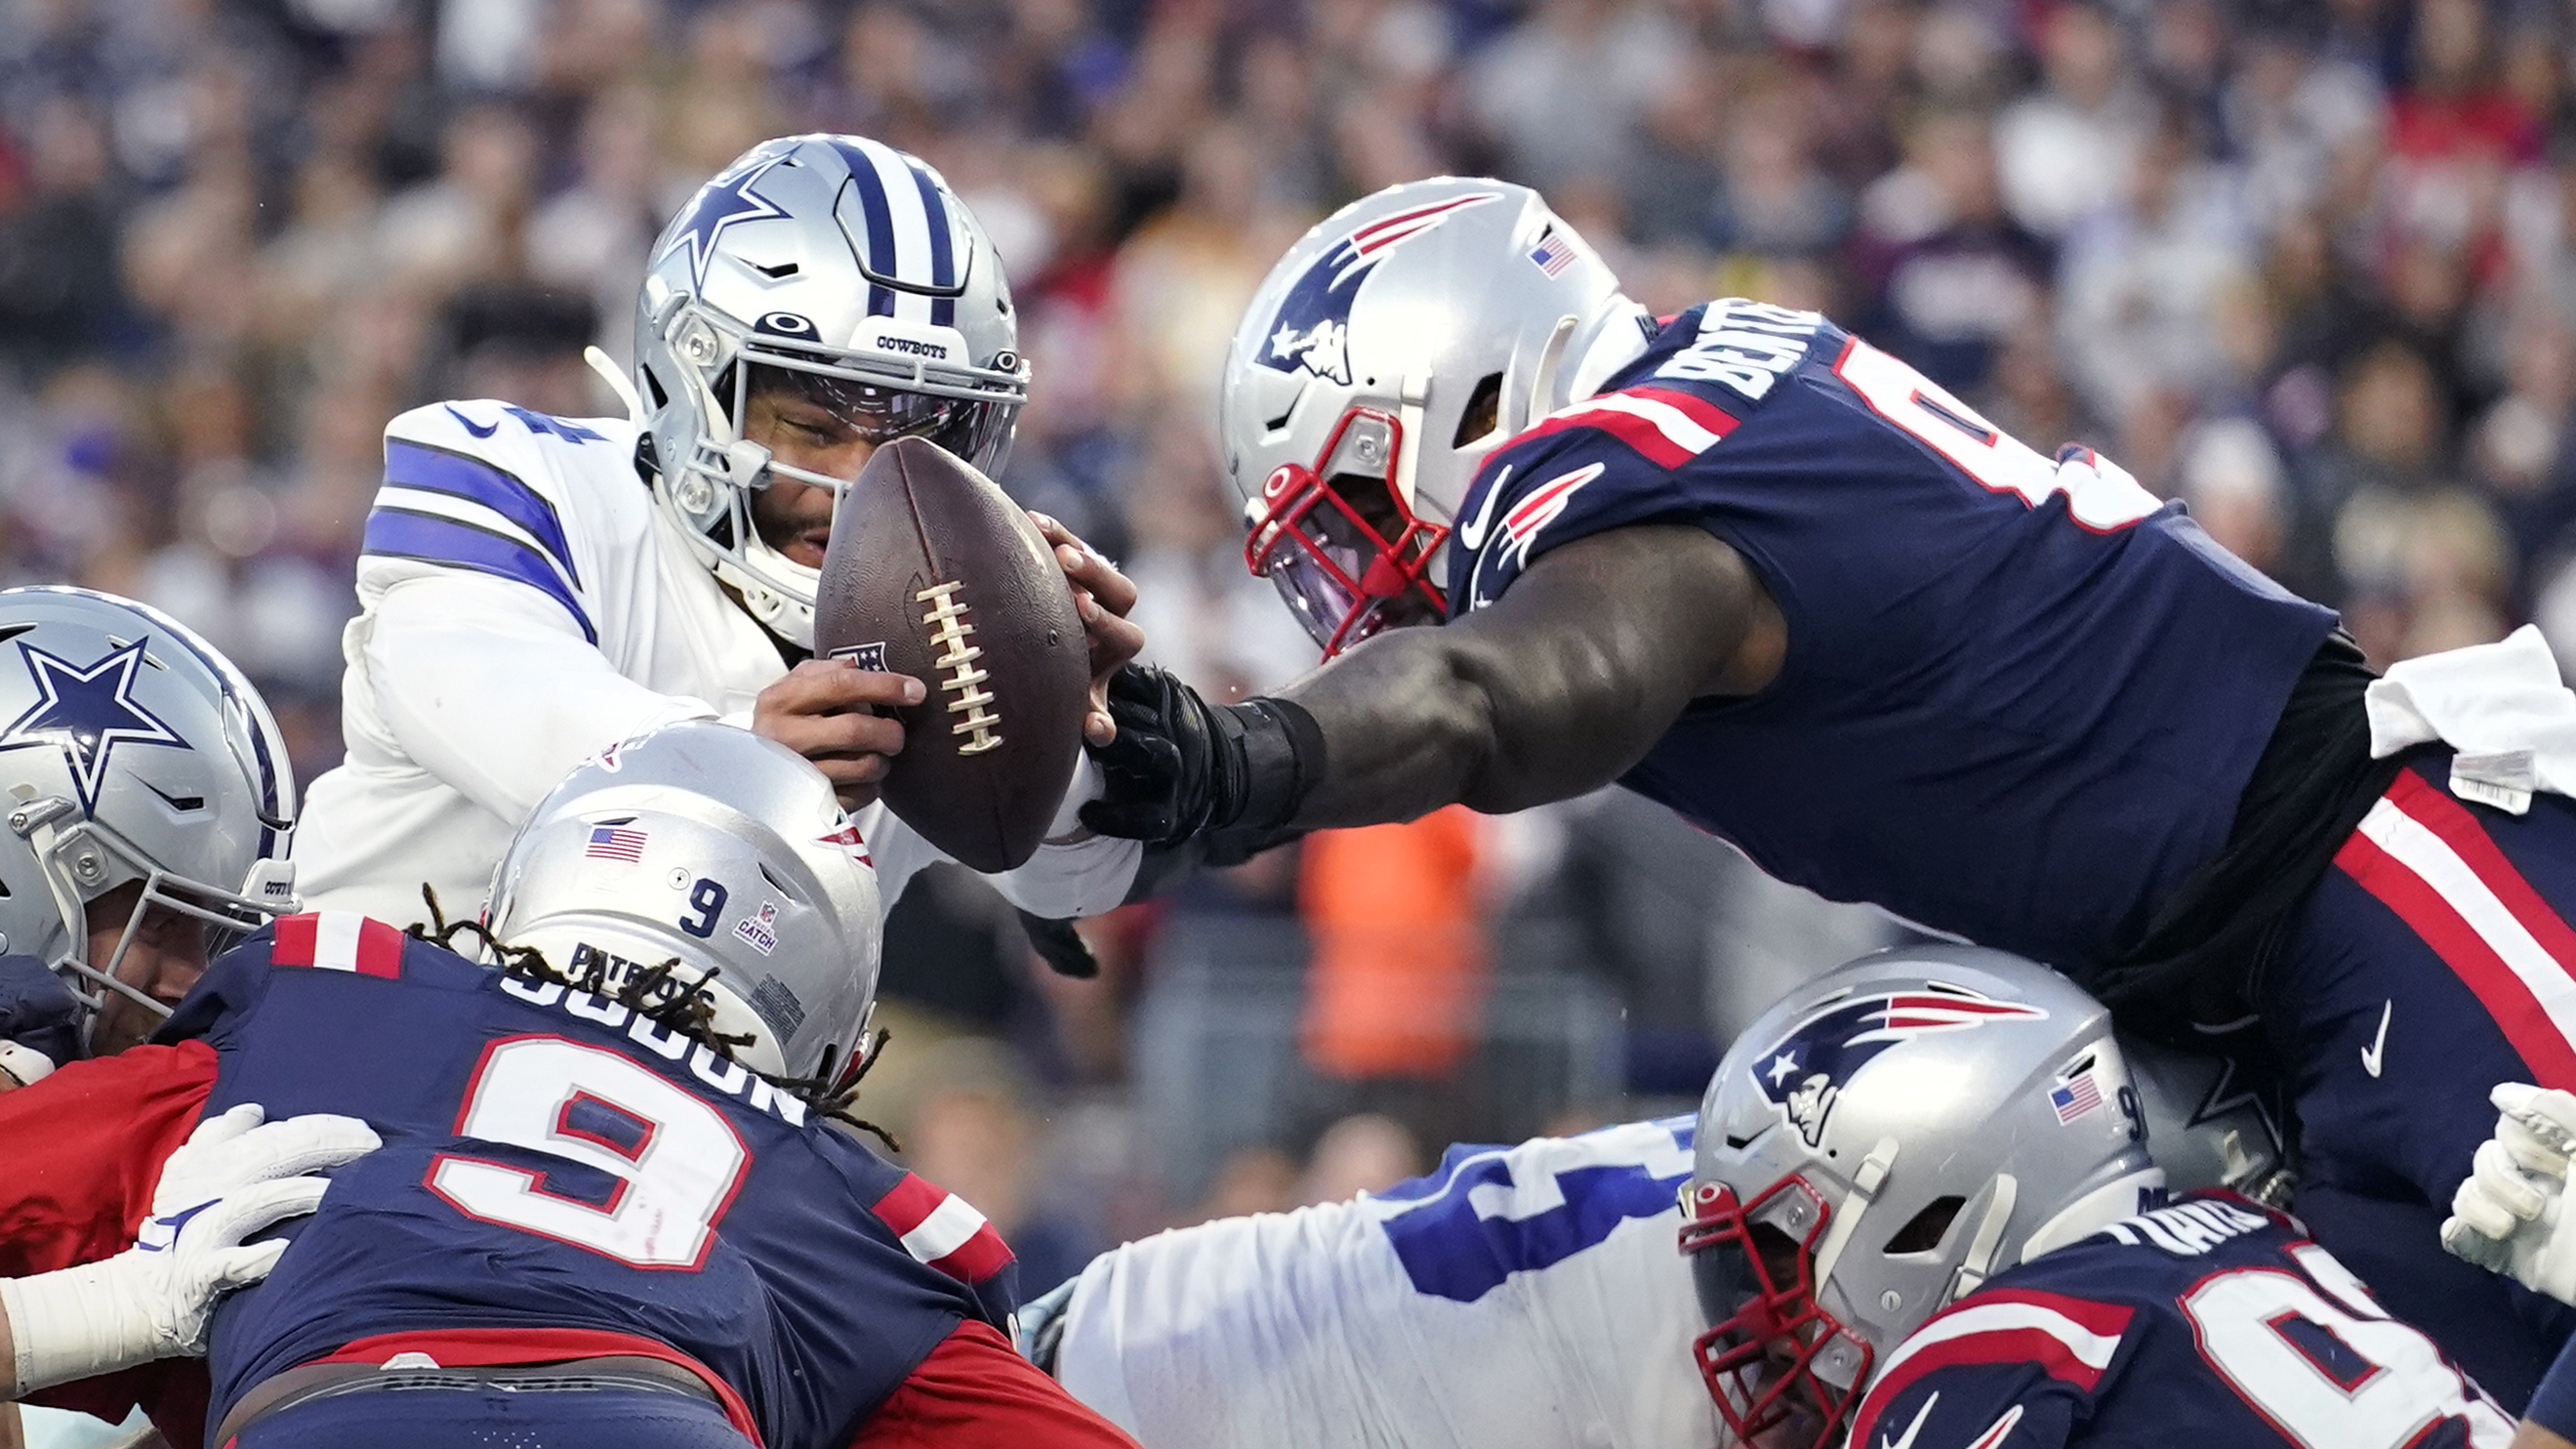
<point x="2021" y="696"/>
<point x="561" y="1177"/>
<point x="2211" y="1322"/>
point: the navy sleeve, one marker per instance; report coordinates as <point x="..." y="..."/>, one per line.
<point x="2553" y="1404"/>
<point x="37" y="1010"/>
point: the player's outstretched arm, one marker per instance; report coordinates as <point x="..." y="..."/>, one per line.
<point x="1555" y="689"/>
<point x="234" y="1178"/>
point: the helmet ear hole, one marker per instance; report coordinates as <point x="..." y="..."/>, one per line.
<point x="1484" y="411"/>
<point x="653" y="385"/>
<point x="1923" y="1232"/>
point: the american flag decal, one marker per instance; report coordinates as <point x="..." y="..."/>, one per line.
<point x="2075" y="1098"/>
<point x="615" y="842"/>
<point x="1552" y="255"/>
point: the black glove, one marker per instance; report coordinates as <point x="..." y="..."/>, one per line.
<point x="1060" y="946"/>
<point x="1182" y="767"/>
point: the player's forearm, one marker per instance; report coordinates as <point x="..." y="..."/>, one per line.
<point x="8" y="1358"/>
<point x="1556" y="689"/>
<point x="495" y="696"/>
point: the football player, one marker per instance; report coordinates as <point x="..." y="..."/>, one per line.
<point x="533" y="588"/>
<point x="610" y="1209"/>
<point x="148" y="799"/>
<point x="1763" y="572"/>
<point x="1528" y="1295"/>
<point x="1922" y="1215"/>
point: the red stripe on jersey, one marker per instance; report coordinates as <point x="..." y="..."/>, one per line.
<point x="294" y="943"/>
<point x="1698" y="409"/>
<point x="1656" y="442"/>
<point x="380" y="949"/>
<point x="909" y="1202"/>
<point x="943" y="1230"/>
<point x="2027" y="1342"/>
<point x="2539" y="1039"/>
<point x="498" y="1347"/>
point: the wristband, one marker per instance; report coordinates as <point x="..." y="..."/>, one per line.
<point x="1278" y="758"/>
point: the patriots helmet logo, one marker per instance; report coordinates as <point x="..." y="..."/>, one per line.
<point x="1312" y="331"/>
<point x="1806" y="1070"/>
<point x="86" y="711"/>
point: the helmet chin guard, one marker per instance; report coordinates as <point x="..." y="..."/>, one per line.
<point x="1778" y="1357"/>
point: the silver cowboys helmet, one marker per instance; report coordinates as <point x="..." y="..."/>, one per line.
<point x="706" y="844"/>
<point x="1388" y="352"/>
<point x="2205" y="1127"/>
<point x="847" y="271"/>
<point x="1877" y="1145"/>
<point x="130" y="751"/>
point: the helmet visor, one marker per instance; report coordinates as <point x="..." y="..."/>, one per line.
<point x="878" y="413"/>
<point x="1338" y="542"/>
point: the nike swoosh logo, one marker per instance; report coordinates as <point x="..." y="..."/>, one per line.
<point x="1472" y="533"/>
<point x="1914" y="1428"/>
<point x="485" y="431"/>
<point x="2376" y="1054"/>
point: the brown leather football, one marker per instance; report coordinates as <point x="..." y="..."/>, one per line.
<point x="934" y="572"/>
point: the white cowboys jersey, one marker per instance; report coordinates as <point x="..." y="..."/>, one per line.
<point x="1533" y="1296"/>
<point x="522" y="605"/>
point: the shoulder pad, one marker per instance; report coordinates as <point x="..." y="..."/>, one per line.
<point x="498" y="489"/>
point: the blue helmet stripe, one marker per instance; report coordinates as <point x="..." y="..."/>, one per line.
<point x="436" y="470"/>
<point x="880" y="217"/>
<point x="943" y="264"/>
<point x="428" y="538"/>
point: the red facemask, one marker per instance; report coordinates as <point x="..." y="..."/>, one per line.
<point x="1757" y="1285"/>
<point x="1350" y="564"/>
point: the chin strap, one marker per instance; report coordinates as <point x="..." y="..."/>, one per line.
<point x="617" y="383"/>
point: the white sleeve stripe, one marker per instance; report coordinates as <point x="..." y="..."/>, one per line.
<point x="945" y="1231"/>
<point x="1676" y="425"/>
<point x="335" y="940"/>
<point x="2090" y="1349"/>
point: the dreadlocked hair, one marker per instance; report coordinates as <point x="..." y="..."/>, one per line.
<point x="834" y="1087"/>
<point x="658" y="995"/>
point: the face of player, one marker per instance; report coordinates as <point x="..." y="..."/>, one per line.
<point x="796" y="518"/>
<point x="164" y="960"/>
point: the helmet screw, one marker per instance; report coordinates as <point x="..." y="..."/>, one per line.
<point x="1368" y="450"/>
<point x="1891" y="1300"/>
<point x="86" y="864"/>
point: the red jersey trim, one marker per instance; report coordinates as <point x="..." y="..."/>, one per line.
<point x="338" y="941"/>
<point x="494" y="1347"/>
<point x="2068" y="1339"/>
<point x="943" y="1230"/>
<point x="2425" y="856"/>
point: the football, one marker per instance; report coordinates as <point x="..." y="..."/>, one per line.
<point x="934" y="572"/>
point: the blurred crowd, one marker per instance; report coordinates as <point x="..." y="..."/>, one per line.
<point x="2309" y="265"/>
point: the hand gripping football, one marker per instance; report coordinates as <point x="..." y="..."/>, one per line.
<point x="934" y="572"/>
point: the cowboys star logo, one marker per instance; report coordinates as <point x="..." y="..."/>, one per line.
<point x="86" y="711"/>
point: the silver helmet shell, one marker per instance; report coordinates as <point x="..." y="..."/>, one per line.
<point x="1878" y="1144"/>
<point x="706" y="844"/>
<point x="2206" y="1127"/>
<point x="840" y="259"/>
<point x="1357" y="397"/>
<point x="131" y="751"/>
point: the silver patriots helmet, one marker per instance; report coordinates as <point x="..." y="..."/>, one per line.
<point x="848" y="270"/>
<point x="1878" y="1144"/>
<point x="131" y="751"/>
<point x="1391" y="349"/>
<point x="726" y="852"/>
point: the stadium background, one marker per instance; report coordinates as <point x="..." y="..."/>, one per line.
<point x="2311" y="267"/>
